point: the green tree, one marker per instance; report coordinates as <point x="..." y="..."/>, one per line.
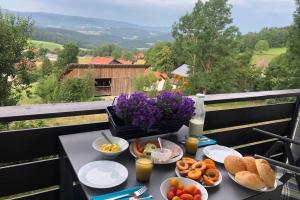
<point x="294" y="46"/>
<point x="14" y="34"/>
<point x="106" y="50"/>
<point x="161" y="58"/>
<point x="206" y="34"/>
<point x="279" y="74"/>
<point x="261" y="46"/>
<point x="48" y="88"/>
<point x="76" y="89"/>
<point x="146" y="83"/>
<point x="67" y="55"/>
<point x="209" y="42"/>
<point x="276" y="37"/>
<point x="52" y="90"/>
<point x="127" y="55"/>
<point x="43" y="52"/>
<point x="46" y="67"/>
<point x="248" y="42"/>
<point x="117" y="53"/>
<point x="284" y="71"/>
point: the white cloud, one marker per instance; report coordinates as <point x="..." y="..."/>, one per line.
<point x="260" y="2"/>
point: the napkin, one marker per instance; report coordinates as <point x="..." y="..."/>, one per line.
<point x="115" y="194"/>
<point x="183" y="133"/>
<point x="205" y="141"/>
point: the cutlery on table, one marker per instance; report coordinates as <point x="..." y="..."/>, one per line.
<point x="160" y="144"/>
<point x="134" y="194"/>
<point x="105" y="136"/>
<point x="204" y="139"/>
<point x="140" y="198"/>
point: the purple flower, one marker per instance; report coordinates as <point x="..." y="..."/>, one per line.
<point x="146" y="116"/>
<point x="139" y="110"/>
<point x="175" y="106"/>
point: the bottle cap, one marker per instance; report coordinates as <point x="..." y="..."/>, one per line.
<point x="200" y="95"/>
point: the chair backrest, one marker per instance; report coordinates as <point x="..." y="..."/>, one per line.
<point x="296" y="148"/>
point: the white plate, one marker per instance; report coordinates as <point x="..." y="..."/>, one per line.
<point x="166" y="144"/>
<point x="216" y="183"/>
<point x="265" y="189"/>
<point x="102" y="174"/>
<point x="218" y="153"/>
<point x="165" y="186"/>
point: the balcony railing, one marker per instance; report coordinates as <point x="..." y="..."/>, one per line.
<point x="29" y="159"/>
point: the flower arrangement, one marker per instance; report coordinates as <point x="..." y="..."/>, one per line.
<point x="139" y="110"/>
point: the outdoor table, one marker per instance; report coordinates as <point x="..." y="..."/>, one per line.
<point x="77" y="150"/>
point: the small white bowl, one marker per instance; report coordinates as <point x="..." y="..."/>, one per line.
<point x="165" y="186"/>
<point x="116" y="140"/>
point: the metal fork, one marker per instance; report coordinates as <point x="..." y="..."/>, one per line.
<point x="133" y="194"/>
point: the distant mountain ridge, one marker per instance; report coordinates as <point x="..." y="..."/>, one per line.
<point x="90" y="32"/>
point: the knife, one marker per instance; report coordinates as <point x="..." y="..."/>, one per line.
<point x="142" y="198"/>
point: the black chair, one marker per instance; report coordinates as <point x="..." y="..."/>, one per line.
<point x="292" y="168"/>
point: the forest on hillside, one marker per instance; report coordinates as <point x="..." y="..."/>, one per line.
<point x="204" y="38"/>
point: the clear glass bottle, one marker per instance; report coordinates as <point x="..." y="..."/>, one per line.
<point x="197" y="122"/>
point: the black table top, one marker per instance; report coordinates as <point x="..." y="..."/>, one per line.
<point x="79" y="150"/>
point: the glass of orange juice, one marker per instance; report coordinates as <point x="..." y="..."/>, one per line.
<point x="191" y="145"/>
<point x="143" y="167"/>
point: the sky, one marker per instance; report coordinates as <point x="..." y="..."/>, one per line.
<point x="248" y="15"/>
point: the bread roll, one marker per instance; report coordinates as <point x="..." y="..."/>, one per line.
<point x="234" y="164"/>
<point x="250" y="164"/>
<point x="249" y="180"/>
<point x="265" y="172"/>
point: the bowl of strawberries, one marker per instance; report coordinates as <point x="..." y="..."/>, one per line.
<point x="176" y="188"/>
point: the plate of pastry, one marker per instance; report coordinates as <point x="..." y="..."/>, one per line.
<point x="170" y="153"/>
<point x="201" y="171"/>
<point x="254" y="174"/>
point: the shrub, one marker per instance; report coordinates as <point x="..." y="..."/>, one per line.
<point x="146" y="83"/>
<point x="52" y="90"/>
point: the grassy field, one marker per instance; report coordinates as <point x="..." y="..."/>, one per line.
<point x="47" y="45"/>
<point x="263" y="59"/>
<point x="84" y="60"/>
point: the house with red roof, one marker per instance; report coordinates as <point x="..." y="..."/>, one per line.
<point x="104" y="61"/>
<point x="110" y="79"/>
<point x="125" y="62"/>
<point x="109" y="61"/>
<point x="138" y="56"/>
<point x="161" y="79"/>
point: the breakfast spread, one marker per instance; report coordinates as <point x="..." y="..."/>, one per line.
<point x="177" y="191"/>
<point x="112" y="148"/>
<point x="252" y="173"/>
<point x="151" y="149"/>
<point x="204" y="171"/>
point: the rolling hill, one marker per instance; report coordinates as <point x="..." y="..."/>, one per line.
<point x="90" y="32"/>
<point x="46" y="45"/>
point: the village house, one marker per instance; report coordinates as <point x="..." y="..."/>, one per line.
<point x="109" y="60"/>
<point x="180" y="75"/>
<point x="110" y="79"/>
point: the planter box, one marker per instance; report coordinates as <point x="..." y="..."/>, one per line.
<point x="120" y="129"/>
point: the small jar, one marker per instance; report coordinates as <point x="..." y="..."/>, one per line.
<point x="191" y="145"/>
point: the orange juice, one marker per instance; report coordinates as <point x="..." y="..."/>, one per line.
<point x="143" y="167"/>
<point x="191" y="145"/>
